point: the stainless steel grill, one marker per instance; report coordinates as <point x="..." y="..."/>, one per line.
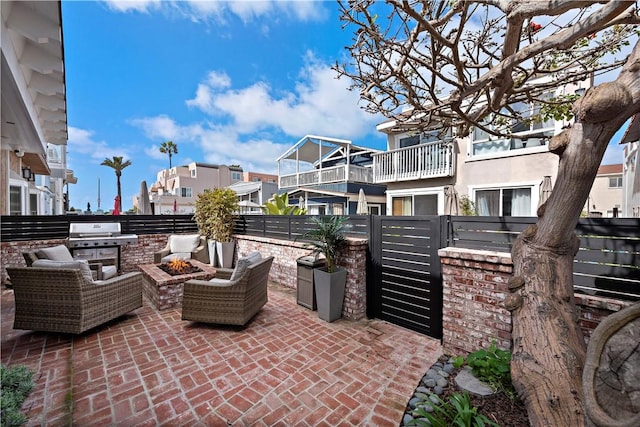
<point x="95" y="234"/>
<point x="98" y="240"/>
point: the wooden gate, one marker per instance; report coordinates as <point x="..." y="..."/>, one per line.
<point x="405" y="280"/>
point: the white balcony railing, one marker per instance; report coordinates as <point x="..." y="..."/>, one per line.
<point x="432" y="160"/>
<point x="342" y="173"/>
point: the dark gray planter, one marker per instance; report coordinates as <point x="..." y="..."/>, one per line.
<point x="330" y="292"/>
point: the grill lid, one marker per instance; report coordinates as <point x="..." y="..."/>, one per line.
<point x="94" y="229"/>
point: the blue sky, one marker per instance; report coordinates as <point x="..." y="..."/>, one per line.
<point x="229" y="83"/>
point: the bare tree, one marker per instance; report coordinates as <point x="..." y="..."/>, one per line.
<point x="466" y="64"/>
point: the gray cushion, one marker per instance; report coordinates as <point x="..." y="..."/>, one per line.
<point x="241" y="267"/>
<point x="254" y="257"/>
<point x="55" y="253"/>
<point x="178" y="255"/>
<point x="184" y="242"/>
<point x="80" y="264"/>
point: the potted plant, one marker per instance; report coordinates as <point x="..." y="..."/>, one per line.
<point x="214" y="214"/>
<point x="327" y="238"/>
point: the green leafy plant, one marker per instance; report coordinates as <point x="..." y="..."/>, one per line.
<point x="493" y="366"/>
<point x="327" y="238"/>
<point x="214" y="213"/>
<point x="280" y="206"/>
<point x="457" y="411"/>
<point x="467" y="206"/>
<point x="15" y="385"/>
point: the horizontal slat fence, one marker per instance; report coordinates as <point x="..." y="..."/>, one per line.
<point x="293" y="227"/>
<point x="607" y="263"/>
<point x="43" y="227"/>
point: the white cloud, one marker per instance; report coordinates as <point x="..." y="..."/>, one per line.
<point x="133" y="5"/>
<point x="320" y="104"/>
<point x="246" y="10"/>
<point x="159" y="127"/>
<point x="82" y="144"/>
<point x="253" y="125"/>
<point x="154" y="152"/>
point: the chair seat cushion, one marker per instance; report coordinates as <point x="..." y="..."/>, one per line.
<point x="55" y="253"/>
<point x="80" y="264"/>
<point x="183" y="242"/>
<point x="178" y="255"/>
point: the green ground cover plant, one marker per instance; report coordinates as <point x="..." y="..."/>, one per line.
<point x="15" y="385"/>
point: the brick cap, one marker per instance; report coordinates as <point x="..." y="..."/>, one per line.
<point x="475" y="255"/>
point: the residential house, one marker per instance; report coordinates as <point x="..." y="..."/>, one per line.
<point x="428" y="172"/>
<point x="605" y="197"/>
<point x="260" y="177"/>
<point x="324" y="175"/>
<point x="176" y="189"/>
<point x="33" y="110"/>
<point x="252" y="195"/>
<point x="630" y="170"/>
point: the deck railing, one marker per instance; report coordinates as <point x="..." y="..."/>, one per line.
<point x="341" y="173"/>
<point x="431" y="160"/>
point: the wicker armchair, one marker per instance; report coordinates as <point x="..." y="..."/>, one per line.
<point x="200" y="253"/>
<point x="231" y="302"/>
<point x="102" y="268"/>
<point x="62" y="300"/>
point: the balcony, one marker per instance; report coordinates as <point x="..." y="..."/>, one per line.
<point x="431" y="160"/>
<point x="330" y="175"/>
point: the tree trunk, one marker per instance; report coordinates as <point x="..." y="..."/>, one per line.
<point x="548" y="346"/>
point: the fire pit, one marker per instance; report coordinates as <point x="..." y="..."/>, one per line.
<point x="177" y="266"/>
<point x="164" y="289"/>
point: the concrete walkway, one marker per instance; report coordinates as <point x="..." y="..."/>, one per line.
<point x="286" y="368"/>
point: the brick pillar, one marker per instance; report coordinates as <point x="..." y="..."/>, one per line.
<point x="474" y="287"/>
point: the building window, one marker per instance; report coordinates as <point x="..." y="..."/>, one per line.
<point x="504" y="202"/>
<point x="337" y="209"/>
<point x="15" y="200"/>
<point x="185" y="192"/>
<point x="193" y="173"/>
<point x="615" y="182"/>
<point x="421" y="204"/>
<point x="33" y="204"/>
<point x="236" y="176"/>
<point x="525" y="133"/>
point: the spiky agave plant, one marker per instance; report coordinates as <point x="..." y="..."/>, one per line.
<point x="327" y="238"/>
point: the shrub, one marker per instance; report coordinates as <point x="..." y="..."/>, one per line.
<point x="15" y="385"/>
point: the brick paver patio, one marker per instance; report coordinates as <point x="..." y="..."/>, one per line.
<point x="286" y="368"/>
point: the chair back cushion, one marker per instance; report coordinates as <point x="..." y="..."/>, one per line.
<point x="55" y="253"/>
<point x="241" y="266"/>
<point x="184" y="242"/>
<point x="254" y="257"/>
<point x="80" y="264"/>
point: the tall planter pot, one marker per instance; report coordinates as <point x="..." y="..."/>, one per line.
<point x="224" y="252"/>
<point x="211" y="246"/>
<point x="330" y="292"/>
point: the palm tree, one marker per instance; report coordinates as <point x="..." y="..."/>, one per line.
<point x="117" y="164"/>
<point x="168" y="147"/>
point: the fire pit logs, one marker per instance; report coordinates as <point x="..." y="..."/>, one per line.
<point x="178" y="266"/>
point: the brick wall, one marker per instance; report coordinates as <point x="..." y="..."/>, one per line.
<point x="284" y="268"/>
<point x="283" y="271"/>
<point x="474" y="289"/>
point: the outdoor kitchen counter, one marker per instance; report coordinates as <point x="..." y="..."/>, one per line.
<point x="165" y="290"/>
